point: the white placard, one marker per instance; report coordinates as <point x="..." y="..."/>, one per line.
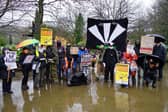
<point x="74" y="50"/>
<point x="147" y="44"/>
<point x="10" y="59"/>
<point x="28" y="59"/>
<point x="86" y="60"/>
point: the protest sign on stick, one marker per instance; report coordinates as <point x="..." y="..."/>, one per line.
<point x="46" y="36"/>
<point x="10" y="59"/>
<point x="147" y="44"/>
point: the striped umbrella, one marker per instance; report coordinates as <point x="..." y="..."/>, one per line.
<point x="27" y="43"/>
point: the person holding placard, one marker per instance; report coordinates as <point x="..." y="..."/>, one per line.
<point x="130" y="58"/>
<point x="81" y="52"/>
<point x="6" y="74"/>
<point x="25" y="60"/>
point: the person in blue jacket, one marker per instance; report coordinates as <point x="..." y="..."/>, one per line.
<point x="81" y="52"/>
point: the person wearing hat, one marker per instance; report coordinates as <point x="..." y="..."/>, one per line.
<point x="26" y="67"/>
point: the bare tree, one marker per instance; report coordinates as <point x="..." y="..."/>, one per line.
<point x="113" y="9"/>
<point x="63" y="13"/>
<point x="4" y="7"/>
<point x="12" y="11"/>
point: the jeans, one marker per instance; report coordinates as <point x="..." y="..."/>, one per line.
<point x="68" y="74"/>
<point x="59" y="71"/>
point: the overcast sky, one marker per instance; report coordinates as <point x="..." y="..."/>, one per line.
<point x="145" y="6"/>
<point x="146" y="3"/>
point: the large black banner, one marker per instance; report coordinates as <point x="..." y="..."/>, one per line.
<point x="107" y="32"/>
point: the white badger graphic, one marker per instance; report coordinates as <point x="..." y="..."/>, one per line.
<point x="107" y="37"/>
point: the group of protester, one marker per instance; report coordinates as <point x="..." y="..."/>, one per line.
<point x="44" y="57"/>
<point x="68" y="65"/>
<point x="151" y="65"/>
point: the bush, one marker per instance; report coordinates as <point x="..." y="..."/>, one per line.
<point x="3" y="41"/>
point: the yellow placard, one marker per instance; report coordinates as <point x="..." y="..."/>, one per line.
<point x="46" y="36"/>
<point x="121" y="73"/>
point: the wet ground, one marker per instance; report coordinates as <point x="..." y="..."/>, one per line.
<point x="96" y="97"/>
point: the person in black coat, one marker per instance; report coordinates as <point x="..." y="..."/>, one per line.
<point x="150" y="73"/>
<point x="137" y="51"/>
<point x="49" y="57"/>
<point x="110" y="59"/>
<point x="160" y="50"/>
<point x="61" y="60"/>
<point x="5" y="74"/>
<point x="137" y="47"/>
<point x="26" y="68"/>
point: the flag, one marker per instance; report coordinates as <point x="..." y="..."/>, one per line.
<point x="107" y="32"/>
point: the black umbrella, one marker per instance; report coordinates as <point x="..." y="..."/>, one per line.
<point x="158" y="37"/>
<point x="143" y="58"/>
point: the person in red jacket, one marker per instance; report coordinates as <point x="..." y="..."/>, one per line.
<point x="130" y="57"/>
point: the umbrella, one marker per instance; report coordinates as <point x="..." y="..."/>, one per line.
<point x="158" y="37"/>
<point x="27" y="42"/>
<point x="143" y="58"/>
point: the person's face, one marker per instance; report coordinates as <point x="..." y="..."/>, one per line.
<point x="26" y="51"/>
<point x="151" y="65"/>
<point x="158" y="43"/>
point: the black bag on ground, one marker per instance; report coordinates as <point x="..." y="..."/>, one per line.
<point x="78" y="79"/>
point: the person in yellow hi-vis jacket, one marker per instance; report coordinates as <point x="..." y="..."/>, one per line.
<point x="36" y="68"/>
